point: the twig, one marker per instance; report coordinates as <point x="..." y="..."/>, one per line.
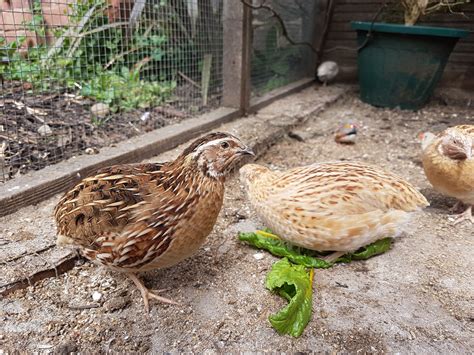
<point x="131" y="50"/>
<point x="447" y="4"/>
<point x="282" y="24"/>
<point x="139" y="65"/>
<point x="95" y="30"/>
<point x="82" y="307"/>
<point x="121" y="55"/>
<point x="188" y="79"/>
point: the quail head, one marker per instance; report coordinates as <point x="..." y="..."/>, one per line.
<point x="448" y="162"/>
<point x="139" y="217"/>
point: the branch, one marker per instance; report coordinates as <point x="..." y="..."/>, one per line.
<point x="447" y="4"/>
<point x="127" y="52"/>
<point x="282" y="24"/>
<point x="80" y="36"/>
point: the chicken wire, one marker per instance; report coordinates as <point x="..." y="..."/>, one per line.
<point x="275" y="62"/>
<point x="77" y="75"/>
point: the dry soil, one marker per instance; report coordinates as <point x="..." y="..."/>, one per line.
<point x="416" y="298"/>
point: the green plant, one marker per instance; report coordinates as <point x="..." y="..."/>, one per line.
<point x="112" y="63"/>
<point x="95" y="56"/>
<point x="125" y="90"/>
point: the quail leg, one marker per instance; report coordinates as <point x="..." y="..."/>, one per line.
<point x="458" y="207"/>
<point x="465" y="216"/>
<point x="147" y="294"/>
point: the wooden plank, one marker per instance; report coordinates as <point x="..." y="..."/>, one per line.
<point x="232" y="18"/>
<point x="358" y="2"/>
<point x="438" y="19"/>
<point x="327" y="21"/>
<point x="258" y="103"/>
<point x="352" y="7"/>
<point x="39" y="185"/>
<point x="247" y="36"/>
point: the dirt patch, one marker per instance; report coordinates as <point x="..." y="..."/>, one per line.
<point x="416" y="298"/>
<point x="37" y="130"/>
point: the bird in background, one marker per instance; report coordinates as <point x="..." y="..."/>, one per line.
<point x="339" y="207"/>
<point x="346" y="133"/>
<point x="139" y="217"/>
<point x="327" y="71"/>
<point x="448" y="162"/>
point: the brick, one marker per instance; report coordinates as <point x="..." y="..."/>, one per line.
<point x="14" y="4"/>
<point x="14" y="19"/>
<point x="31" y="39"/>
<point x="56" y="15"/>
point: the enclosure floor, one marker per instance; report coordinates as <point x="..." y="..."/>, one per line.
<point x="416" y="298"/>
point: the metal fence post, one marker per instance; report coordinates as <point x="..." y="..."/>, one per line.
<point x="237" y="37"/>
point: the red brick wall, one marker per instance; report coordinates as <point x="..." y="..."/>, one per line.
<point x="15" y="13"/>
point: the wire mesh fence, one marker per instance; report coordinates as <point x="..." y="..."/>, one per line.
<point x="275" y="61"/>
<point x="77" y="75"/>
<point x="80" y="74"/>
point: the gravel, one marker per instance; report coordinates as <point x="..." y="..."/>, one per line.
<point x="416" y="298"/>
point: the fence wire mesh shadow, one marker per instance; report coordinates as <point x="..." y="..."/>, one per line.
<point x="274" y="61"/>
<point x="77" y="75"/>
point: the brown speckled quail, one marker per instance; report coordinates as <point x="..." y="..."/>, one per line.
<point x="139" y="217"/>
<point x="338" y="207"/>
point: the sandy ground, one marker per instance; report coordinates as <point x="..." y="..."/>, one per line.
<point x="416" y="298"/>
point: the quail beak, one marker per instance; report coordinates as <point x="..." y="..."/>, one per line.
<point x="246" y="151"/>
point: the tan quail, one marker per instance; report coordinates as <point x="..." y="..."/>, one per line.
<point x="338" y="207"/>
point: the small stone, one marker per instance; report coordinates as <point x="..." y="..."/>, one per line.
<point x="45" y="130"/>
<point x="116" y="303"/>
<point x="91" y="151"/>
<point x="258" y="256"/>
<point x="145" y="116"/>
<point x="100" y="109"/>
<point x="219" y="344"/>
<point x="96" y="296"/>
<point x="66" y="347"/>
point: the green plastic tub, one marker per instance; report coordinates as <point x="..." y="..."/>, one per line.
<point x="400" y="65"/>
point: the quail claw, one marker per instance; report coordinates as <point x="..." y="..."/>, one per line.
<point x="466" y="216"/>
<point x="147" y="294"/>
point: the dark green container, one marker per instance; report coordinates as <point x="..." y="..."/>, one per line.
<point x="400" y="65"/>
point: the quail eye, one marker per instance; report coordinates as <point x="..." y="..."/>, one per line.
<point x="225" y="145"/>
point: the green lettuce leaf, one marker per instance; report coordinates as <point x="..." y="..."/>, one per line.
<point x="306" y="257"/>
<point x="293" y="283"/>
<point x="279" y="248"/>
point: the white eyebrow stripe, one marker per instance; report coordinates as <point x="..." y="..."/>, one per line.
<point x="213" y="142"/>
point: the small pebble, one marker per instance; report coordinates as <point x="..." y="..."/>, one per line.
<point x="145" y="116"/>
<point x="100" y="109"/>
<point x="45" y="130"/>
<point x="91" y="151"/>
<point x="258" y="256"/>
<point x="96" y="296"/>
